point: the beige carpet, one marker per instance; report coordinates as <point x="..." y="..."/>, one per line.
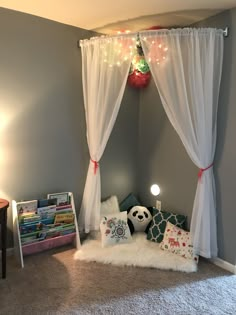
<point x="53" y="283"/>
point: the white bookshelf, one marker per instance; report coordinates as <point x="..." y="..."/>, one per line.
<point x="21" y="250"/>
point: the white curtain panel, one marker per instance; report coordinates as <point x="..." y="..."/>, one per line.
<point x="186" y="65"/>
<point x="105" y="67"/>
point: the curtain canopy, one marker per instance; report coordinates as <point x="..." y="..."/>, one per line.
<point x="186" y="65"/>
<point x="105" y="67"/>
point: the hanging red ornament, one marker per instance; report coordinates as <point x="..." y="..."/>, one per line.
<point x="139" y="75"/>
<point x="138" y="79"/>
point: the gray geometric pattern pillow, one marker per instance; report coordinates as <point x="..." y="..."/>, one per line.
<point x="158" y="225"/>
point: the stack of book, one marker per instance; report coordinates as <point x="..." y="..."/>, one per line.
<point x="44" y="219"/>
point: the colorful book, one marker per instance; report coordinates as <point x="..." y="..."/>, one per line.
<point x="60" y="231"/>
<point x="23" y="219"/>
<point x="46" y="202"/>
<point x="27" y="207"/>
<point x="31" y="234"/>
<point x="64" y="218"/>
<point x="29" y="228"/>
<point x="63" y="211"/>
<point x="57" y="227"/>
<point x="44" y="221"/>
<point x="47" y="212"/>
<point x="62" y="198"/>
<point x="65" y="207"/>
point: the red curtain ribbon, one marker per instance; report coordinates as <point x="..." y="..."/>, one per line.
<point x="96" y="165"/>
<point x="203" y="170"/>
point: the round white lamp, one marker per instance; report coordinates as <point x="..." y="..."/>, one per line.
<point x="155" y="190"/>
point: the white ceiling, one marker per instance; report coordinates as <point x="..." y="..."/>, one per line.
<point x="108" y="16"/>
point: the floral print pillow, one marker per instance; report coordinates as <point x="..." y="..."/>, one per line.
<point x="114" y="229"/>
<point x="178" y="241"/>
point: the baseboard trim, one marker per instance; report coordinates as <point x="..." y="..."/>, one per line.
<point x="224" y="264"/>
<point x="10" y="252"/>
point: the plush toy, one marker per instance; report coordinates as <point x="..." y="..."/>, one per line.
<point x="139" y="218"/>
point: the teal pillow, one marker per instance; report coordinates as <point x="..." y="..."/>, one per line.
<point x="129" y="201"/>
<point x="158" y="224"/>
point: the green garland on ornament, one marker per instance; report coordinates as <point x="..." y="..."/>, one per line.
<point x="141" y="65"/>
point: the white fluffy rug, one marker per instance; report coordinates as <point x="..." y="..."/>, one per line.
<point x="140" y="252"/>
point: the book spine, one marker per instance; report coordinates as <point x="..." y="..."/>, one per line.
<point x="66" y="207"/>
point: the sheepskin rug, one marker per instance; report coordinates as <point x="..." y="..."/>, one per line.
<point x="139" y="252"/>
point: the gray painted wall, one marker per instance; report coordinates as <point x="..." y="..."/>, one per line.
<point x="43" y="145"/>
<point x="164" y="160"/>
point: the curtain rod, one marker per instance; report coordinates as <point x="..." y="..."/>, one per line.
<point x="225" y="33"/>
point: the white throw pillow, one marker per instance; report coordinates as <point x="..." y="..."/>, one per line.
<point x="114" y="229"/>
<point x="178" y="241"/>
<point x="109" y="206"/>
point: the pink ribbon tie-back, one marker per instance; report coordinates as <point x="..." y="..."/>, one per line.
<point x="203" y="170"/>
<point x="96" y="166"/>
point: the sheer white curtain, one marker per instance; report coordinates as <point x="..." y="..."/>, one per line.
<point x="105" y="67"/>
<point x="186" y="66"/>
